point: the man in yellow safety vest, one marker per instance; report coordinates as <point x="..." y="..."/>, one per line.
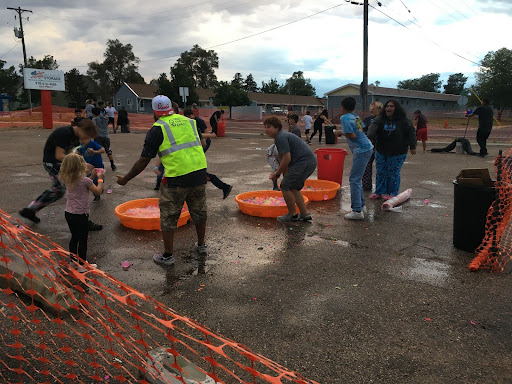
<point x="179" y="144"/>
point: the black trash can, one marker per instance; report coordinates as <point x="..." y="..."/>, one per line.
<point x="330" y="137"/>
<point x="471" y="203"/>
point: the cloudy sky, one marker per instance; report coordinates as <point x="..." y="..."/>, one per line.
<point x="268" y="38"/>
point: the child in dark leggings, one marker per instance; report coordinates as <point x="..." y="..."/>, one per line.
<point x="73" y="174"/>
<point x="318" y="125"/>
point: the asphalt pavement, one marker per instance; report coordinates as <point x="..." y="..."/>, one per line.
<point x="383" y="300"/>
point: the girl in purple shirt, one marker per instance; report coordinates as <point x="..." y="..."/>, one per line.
<point x="73" y="173"/>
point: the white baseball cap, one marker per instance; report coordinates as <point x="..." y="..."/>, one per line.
<point x="162" y="105"/>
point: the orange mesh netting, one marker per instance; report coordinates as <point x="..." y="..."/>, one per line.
<point x="496" y="247"/>
<point x="88" y="327"/>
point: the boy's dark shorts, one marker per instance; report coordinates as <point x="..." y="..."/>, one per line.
<point x="296" y="176"/>
<point x="171" y="202"/>
<point x="111" y="121"/>
<point x="104" y="142"/>
<point x="306" y="131"/>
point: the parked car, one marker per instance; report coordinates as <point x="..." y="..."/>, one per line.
<point x="276" y="111"/>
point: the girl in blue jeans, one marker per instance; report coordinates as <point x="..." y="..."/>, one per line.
<point x="362" y="148"/>
<point x="393" y="134"/>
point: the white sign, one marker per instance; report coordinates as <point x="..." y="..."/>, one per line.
<point x="184" y="93"/>
<point x="43" y="79"/>
<point x="462" y="100"/>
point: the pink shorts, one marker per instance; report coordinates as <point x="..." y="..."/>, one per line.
<point x="421" y="134"/>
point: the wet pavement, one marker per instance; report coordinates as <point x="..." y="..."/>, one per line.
<point x="384" y="300"/>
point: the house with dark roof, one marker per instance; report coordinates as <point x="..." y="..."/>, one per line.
<point x="410" y="100"/>
<point x="136" y="98"/>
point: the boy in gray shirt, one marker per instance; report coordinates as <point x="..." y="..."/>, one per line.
<point x="297" y="164"/>
<point x="103" y="138"/>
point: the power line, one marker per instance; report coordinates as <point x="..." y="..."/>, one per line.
<point x="15" y="45"/>
<point x="454" y="53"/>
<point x="236" y="40"/>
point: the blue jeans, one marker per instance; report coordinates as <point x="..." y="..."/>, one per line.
<point x="387" y="180"/>
<point x="356" y="175"/>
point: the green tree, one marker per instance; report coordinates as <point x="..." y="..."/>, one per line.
<point x="76" y="89"/>
<point x="237" y="81"/>
<point x="9" y="80"/>
<point x="198" y="64"/>
<point x="494" y="81"/>
<point x="171" y="89"/>
<point x="249" y="84"/>
<point x="48" y="62"/>
<point x="271" y="87"/>
<point x="298" y="85"/>
<point x="455" y="84"/>
<point x="120" y="65"/>
<point x="227" y="94"/>
<point x="427" y="83"/>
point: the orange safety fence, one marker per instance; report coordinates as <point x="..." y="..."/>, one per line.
<point x="496" y="248"/>
<point x="59" y="325"/>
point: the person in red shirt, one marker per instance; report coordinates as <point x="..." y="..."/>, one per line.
<point x="421" y="128"/>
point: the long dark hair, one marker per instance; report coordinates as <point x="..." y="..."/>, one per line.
<point x="399" y="111"/>
<point x="325" y="113"/>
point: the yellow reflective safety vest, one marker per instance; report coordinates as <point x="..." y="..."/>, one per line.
<point x="181" y="151"/>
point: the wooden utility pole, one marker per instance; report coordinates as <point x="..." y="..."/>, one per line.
<point x="364" y="84"/>
<point x="20" y="11"/>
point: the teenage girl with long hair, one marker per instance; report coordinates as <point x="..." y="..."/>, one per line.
<point x="73" y="173"/>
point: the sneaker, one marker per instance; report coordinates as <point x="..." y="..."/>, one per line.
<point x="387" y="197"/>
<point x="375" y="196"/>
<point x="227" y="192"/>
<point x="354" y="216"/>
<point x="202" y="249"/>
<point x="157" y="187"/>
<point x="160" y="259"/>
<point x="276" y="188"/>
<point x="288" y="218"/>
<point x="96" y="199"/>
<point x="364" y="210"/>
<point x="309" y="142"/>
<point x="94" y="227"/>
<point x="113" y="166"/>
<point x="29" y="214"/>
<point x="306" y="217"/>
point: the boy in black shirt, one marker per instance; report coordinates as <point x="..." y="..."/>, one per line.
<point x="60" y="143"/>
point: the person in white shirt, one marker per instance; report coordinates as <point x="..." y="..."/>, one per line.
<point x="110" y="113"/>
<point x="307" y="120"/>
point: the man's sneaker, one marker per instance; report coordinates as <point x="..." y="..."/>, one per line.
<point x="29" y="214"/>
<point x="202" y="249"/>
<point x="160" y="259"/>
<point x="227" y="191"/>
<point x="96" y="199"/>
<point x="364" y="210"/>
<point x="288" y="218"/>
<point x="94" y="227"/>
<point x="375" y="196"/>
<point x="354" y="216"/>
<point x="113" y="166"/>
<point x="306" y="217"/>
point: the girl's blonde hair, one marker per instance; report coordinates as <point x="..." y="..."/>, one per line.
<point x="72" y="170"/>
<point x="378" y="105"/>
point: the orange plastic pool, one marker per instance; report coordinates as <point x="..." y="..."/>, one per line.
<point x="262" y="210"/>
<point x="145" y="223"/>
<point x="326" y="189"/>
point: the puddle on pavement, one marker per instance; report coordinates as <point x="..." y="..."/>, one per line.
<point x="421" y="203"/>
<point x="427" y="271"/>
<point x="317" y="239"/>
